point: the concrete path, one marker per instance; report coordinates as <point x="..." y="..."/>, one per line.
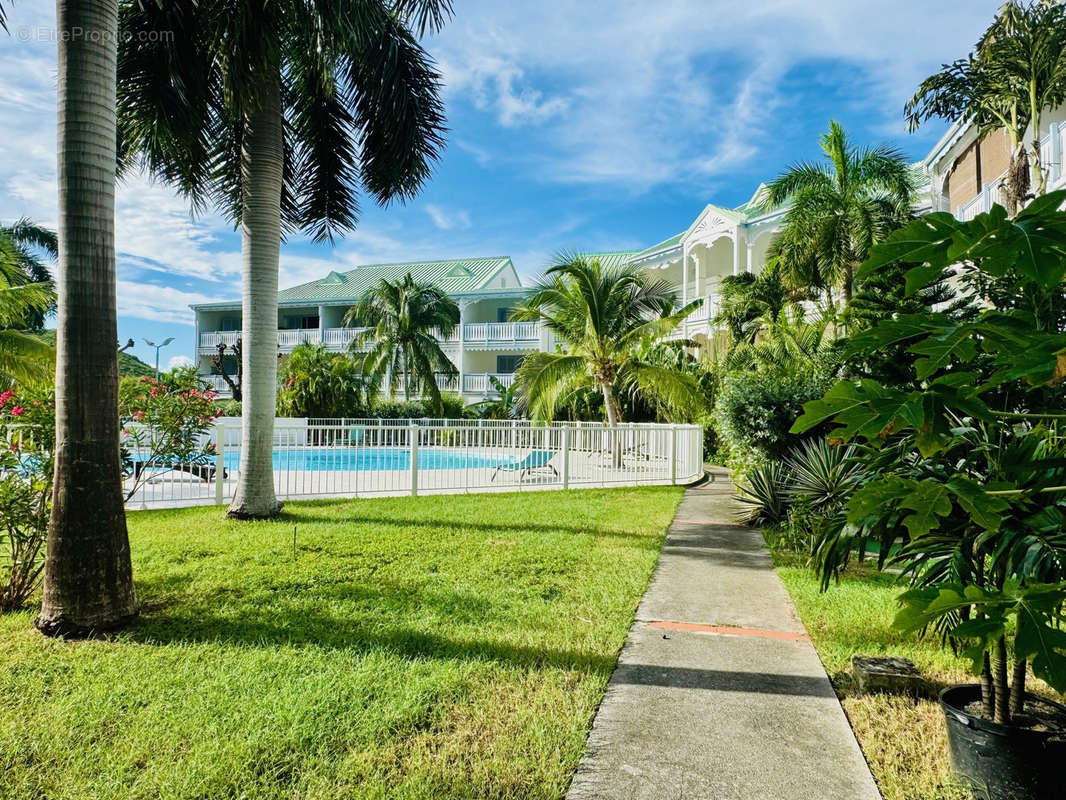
<point x="718" y="693"/>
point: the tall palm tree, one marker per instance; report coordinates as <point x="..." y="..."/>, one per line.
<point x="751" y="300"/>
<point x="277" y="111"/>
<point x="838" y="209"/>
<point x="1017" y="72"/>
<point x="88" y="577"/>
<point x="406" y="322"/>
<point x="603" y="316"/>
<point x="23" y="240"/>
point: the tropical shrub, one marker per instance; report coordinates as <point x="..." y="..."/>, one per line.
<point x="765" y="495"/>
<point x="318" y="383"/>
<point x="164" y="423"/>
<point x="964" y="489"/>
<point x="27" y="422"/>
<point x="755" y="410"/>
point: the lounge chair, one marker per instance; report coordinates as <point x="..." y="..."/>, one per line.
<point x="535" y="460"/>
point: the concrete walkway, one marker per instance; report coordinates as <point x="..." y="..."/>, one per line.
<point x="718" y="693"/>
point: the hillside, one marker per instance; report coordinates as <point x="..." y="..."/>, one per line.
<point x="128" y="364"/>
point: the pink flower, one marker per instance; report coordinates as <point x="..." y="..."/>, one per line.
<point x="210" y="395"/>
<point x="17" y="410"/>
<point x="138" y="415"/>
<point x="145" y="379"/>
<point x="14" y="447"/>
<point x="155" y="391"/>
<point x="6" y="396"/>
<point x="194" y="392"/>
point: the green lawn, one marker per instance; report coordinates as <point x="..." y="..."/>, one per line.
<point x="430" y="647"/>
<point x="904" y="740"/>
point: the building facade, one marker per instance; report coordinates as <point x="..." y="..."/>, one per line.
<point x="964" y="172"/>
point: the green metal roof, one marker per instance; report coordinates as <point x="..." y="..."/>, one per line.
<point x="457" y="276"/>
<point x="611" y="259"/>
<point x="664" y="246"/>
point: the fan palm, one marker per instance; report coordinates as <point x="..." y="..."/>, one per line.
<point x="277" y="112"/>
<point x="406" y="321"/>
<point x="603" y="316"/>
<point x="838" y="209"/>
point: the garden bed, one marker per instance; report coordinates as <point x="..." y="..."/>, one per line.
<point x="413" y="647"/>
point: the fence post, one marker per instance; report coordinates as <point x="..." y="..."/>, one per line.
<point x="412" y="441"/>
<point x="220" y="464"/>
<point x="566" y="457"/>
<point x="673" y="455"/>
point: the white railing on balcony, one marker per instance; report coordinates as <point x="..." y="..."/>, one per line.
<point x="216" y="383"/>
<point x="288" y="339"/>
<point x="215" y="338"/>
<point x="476" y="332"/>
<point x="340" y="338"/>
<point x="479" y="383"/>
<point x="341" y="458"/>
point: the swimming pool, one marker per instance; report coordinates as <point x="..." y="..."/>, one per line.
<point x="343" y="459"/>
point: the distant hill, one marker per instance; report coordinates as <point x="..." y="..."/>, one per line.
<point x="128" y="364"/>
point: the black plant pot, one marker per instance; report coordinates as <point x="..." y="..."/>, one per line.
<point x="1003" y="762"/>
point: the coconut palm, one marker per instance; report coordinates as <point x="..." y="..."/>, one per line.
<point x="406" y="321"/>
<point x="603" y="316"/>
<point x="318" y="383"/>
<point x="23" y="241"/>
<point x="88" y="578"/>
<point x="277" y="112"/>
<point x="838" y="209"/>
<point x="1017" y="72"/>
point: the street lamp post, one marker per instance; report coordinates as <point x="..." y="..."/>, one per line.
<point x="158" y="347"/>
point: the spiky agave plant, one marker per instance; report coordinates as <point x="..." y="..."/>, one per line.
<point x="765" y="495"/>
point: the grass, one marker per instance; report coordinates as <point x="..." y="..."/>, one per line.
<point x="904" y="739"/>
<point x="430" y="647"/>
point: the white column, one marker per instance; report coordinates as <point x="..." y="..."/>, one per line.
<point x="696" y="264"/>
<point x="463" y="304"/>
<point x="1054" y="169"/>
<point x="736" y="252"/>
<point x="751" y="256"/>
<point x="684" y="276"/>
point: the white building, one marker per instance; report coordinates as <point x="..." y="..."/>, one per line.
<point x="965" y="176"/>
<point x="720" y="242"/>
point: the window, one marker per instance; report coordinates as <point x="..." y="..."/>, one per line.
<point x="309" y="322"/>
<point x="231" y="323"/>
<point x="507" y="364"/>
<point x="502" y="314"/>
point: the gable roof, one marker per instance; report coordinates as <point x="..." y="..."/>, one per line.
<point x="455" y="276"/>
<point x="611" y="259"/>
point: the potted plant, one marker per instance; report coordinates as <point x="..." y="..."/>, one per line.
<point x="964" y="479"/>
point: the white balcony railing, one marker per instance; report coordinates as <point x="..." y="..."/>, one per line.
<point x="215" y="338"/>
<point x="340" y="338"/>
<point x="288" y="339"/>
<point x="491" y="332"/>
<point x="479" y="383"/>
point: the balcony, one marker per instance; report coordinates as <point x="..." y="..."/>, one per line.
<point x="479" y="383"/>
<point x="508" y="334"/>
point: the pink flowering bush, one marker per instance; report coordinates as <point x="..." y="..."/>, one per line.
<point x="27" y="421"/>
<point x="164" y="423"/>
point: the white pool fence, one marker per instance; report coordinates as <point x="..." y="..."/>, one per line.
<point x="364" y="457"/>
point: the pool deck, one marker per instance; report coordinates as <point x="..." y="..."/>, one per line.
<point x="718" y="693"/>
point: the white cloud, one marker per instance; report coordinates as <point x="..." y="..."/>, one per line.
<point x="447" y="220"/>
<point x="676" y="92"/>
<point x="158" y="303"/>
<point x="180" y="361"/>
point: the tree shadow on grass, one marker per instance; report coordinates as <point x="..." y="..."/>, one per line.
<point x="378" y="621"/>
<point x="648" y="541"/>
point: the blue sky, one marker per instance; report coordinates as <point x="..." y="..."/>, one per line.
<point x="574" y="124"/>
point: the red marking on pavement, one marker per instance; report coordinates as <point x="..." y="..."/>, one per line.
<point x="728" y="630"/>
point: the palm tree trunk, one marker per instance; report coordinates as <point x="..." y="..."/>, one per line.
<point x="261" y="177"/>
<point x="88" y="578"/>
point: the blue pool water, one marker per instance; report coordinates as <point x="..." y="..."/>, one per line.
<point x="331" y="459"/>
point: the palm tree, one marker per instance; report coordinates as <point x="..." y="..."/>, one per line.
<point x="750" y="301"/>
<point x="277" y="111"/>
<point x="88" y="578"/>
<point x="603" y="316"/>
<point x="839" y="208"/>
<point x="1017" y="72"/>
<point x="406" y="322"/>
<point x="22" y="241"/>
